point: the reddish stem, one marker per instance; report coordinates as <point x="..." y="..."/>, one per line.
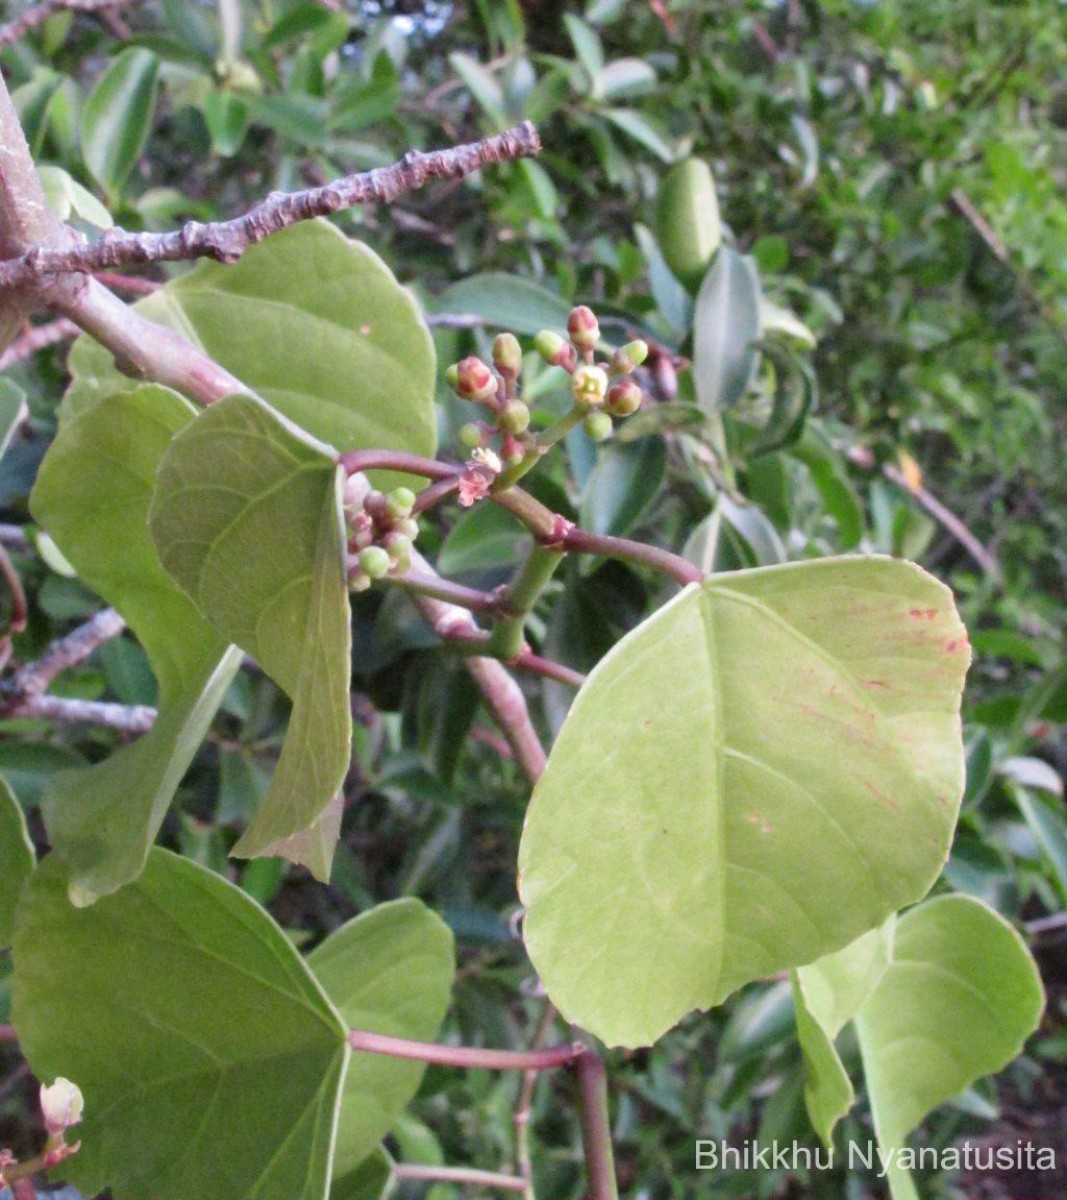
<point x="466" y="1056"/>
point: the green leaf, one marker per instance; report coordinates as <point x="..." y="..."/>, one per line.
<point x="726" y="331"/>
<point x="588" y="50"/>
<point x="827" y="994"/>
<point x="371" y="1180"/>
<point x="961" y="996"/>
<point x="830" y="476"/>
<point x="68" y="198"/>
<point x="388" y="971"/>
<point x="247" y="518"/>
<point x="483" y="86"/>
<point x="1048" y="827"/>
<point x="210" y="1059"/>
<point x="763" y="770"/>
<point x="315" y="324"/>
<point x="17" y="859"/>
<point x="644" y="130"/>
<point x="92" y="495"/>
<point x="117" y="117"/>
<point x="506" y="301"/>
<point x="485" y="538"/>
<point x="622" y="485"/>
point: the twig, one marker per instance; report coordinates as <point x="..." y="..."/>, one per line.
<point x="524" y="1103"/>
<point x="1050" y="924"/>
<point x="34" y="678"/>
<point x="39" y="13"/>
<point x="39" y="337"/>
<point x="226" y="241"/>
<point x="128" y="283"/>
<point x="16" y="622"/>
<point x="596" y="1128"/>
<point x="465" y="1176"/>
<point x="64" y="710"/>
<point x="470" y="1057"/>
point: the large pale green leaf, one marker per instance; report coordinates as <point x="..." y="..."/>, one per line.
<point x="247" y="518"/>
<point x="118" y="117"/>
<point x="17" y="859"/>
<point x="210" y="1059"/>
<point x="827" y="994"/>
<point x="314" y="323"/>
<point x="726" y="331"/>
<point x="960" y="997"/>
<point x="388" y="971"/>
<point x="506" y="301"/>
<point x="768" y="767"/>
<point x="92" y="495"/>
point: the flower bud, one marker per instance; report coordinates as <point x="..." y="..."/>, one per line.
<point x="408" y="527"/>
<point x="357" y="488"/>
<point x="589" y="385"/>
<point x="400" y="502"/>
<point x="512" y="451"/>
<point x="358" y="579"/>
<point x="623" y="398"/>
<point x="374" y="562"/>
<point x="61" y="1106"/>
<point x="362" y="535"/>
<point x="452" y="376"/>
<point x="475" y="381"/>
<point x="376" y="505"/>
<point x="507" y="355"/>
<point x="628" y="358"/>
<point x="549" y="345"/>
<point x="598" y="425"/>
<point x="470" y="435"/>
<point x="398" y="548"/>
<point x="583" y="327"/>
<point x="515" y="417"/>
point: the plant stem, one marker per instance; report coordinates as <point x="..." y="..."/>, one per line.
<point x="508" y="639"/>
<point x="465" y="1176"/>
<point x="397" y="460"/>
<point x="544" y="442"/>
<point x="435" y="586"/>
<point x="596" y="1128"/>
<point x="471" y="1057"/>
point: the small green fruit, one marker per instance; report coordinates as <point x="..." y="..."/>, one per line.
<point x="515" y="417"/>
<point x="688" y="226"/>
<point x="374" y="561"/>
<point x="598" y="425"/>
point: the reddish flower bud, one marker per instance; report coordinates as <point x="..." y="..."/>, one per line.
<point x="623" y="398"/>
<point x="512" y="451"/>
<point x="475" y="381"/>
<point x="628" y="358"/>
<point x="583" y="327"/>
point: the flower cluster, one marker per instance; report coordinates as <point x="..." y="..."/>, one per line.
<point x="601" y="390"/>
<point x="381" y="531"/>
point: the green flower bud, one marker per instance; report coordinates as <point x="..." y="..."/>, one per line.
<point x="549" y="345"/>
<point x="407" y="527"/>
<point x="358" y="580"/>
<point x="452" y="376"/>
<point x="515" y="417"/>
<point x="598" y="425"/>
<point x="400" y="502"/>
<point x="589" y="385"/>
<point x="623" y="398"/>
<point x="629" y="357"/>
<point x="583" y="327"/>
<point x="398" y="548"/>
<point x="507" y="355"/>
<point x="374" y="561"/>
<point x="470" y="435"/>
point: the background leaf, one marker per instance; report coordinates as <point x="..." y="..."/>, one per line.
<point x="506" y="301"/>
<point x="726" y="331"/>
<point x="118" y="117"/>
<point x="92" y="495"/>
<point x="388" y="971"/>
<point x="247" y="518"/>
<point x="959" y="999"/>
<point x="194" y="1030"/>
<point x="729" y="777"/>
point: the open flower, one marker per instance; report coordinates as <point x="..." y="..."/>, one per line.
<point x="61" y="1106"/>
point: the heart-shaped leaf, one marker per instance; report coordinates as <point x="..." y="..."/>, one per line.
<point x="247" y="518"/>
<point x="17" y="859"/>
<point x="92" y="495"/>
<point x="312" y="322"/>
<point x="827" y="994"/>
<point x="960" y="997"/>
<point x="210" y="1060"/>
<point x="388" y="971"/>
<point x="768" y="767"/>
